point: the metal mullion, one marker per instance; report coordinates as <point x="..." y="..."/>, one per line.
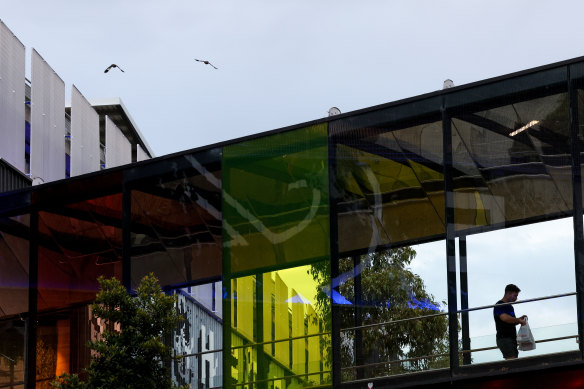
<point x="464" y="299"/>
<point x="334" y="261"/>
<point x="31" y="320"/>
<point x="450" y="237"/>
<point x="127" y="237"/>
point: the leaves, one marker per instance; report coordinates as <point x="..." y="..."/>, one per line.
<point x="390" y="293"/>
<point x="131" y="352"/>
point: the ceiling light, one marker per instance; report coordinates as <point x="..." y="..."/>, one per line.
<point x="525" y="127"/>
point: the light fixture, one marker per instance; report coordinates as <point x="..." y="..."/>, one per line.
<point x="525" y="127"/>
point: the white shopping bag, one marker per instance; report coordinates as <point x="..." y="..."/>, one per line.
<point x="525" y="340"/>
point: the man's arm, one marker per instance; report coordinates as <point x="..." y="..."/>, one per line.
<point x="512" y="320"/>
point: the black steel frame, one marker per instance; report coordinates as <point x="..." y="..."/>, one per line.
<point x="51" y="195"/>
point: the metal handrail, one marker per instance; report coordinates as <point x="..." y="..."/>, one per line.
<point x="219" y="350"/>
<point x="457" y="312"/>
<point x="381" y="324"/>
<point x="284" y="378"/>
<point x="280" y="340"/>
<point x="259" y="344"/>
<point x="7" y="357"/>
<point x="446" y="354"/>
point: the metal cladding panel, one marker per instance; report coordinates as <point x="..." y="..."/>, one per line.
<point x="84" y="135"/>
<point x="47" y="111"/>
<point x="118" y="149"/>
<point x="11" y="179"/>
<point x="141" y="155"/>
<point x="12" y="112"/>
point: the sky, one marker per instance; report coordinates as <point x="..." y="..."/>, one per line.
<point x="286" y="62"/>
<point x="281" y="62"/>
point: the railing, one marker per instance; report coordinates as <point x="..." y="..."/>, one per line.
<point x="539" y="340"/>
<point x="461" y="352"/>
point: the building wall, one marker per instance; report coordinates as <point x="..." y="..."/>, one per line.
<point x="12" y="116"/>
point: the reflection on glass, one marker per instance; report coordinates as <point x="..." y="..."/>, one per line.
<point x="392" y="323"/>
<point x="275" y="199"/>
<point x="77" y="244"/>
<point x="62" y="342"/>
<point x="539" y="259"/>
<point x="14" y="268"/>
<point x="176" y="223"/>
<point x="199" y="337"/>
<point x="581" y="133"/>
<point x="512" y="162"/>
<point x="14" y="253"/>
<point x="391" y="186"/>
<point x="280" y="328"/>
<point x="12" y="353"/>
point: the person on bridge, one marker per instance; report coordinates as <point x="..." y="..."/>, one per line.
<point x="505" y="322"/>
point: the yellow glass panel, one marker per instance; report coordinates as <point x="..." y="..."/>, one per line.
<point x="280" y="328"/>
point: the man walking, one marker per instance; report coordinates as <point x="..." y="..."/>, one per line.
<point x="505" y="322"/>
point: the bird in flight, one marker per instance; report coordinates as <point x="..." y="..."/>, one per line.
<point x="113" y="65"/>
<point x="206" y="62"/>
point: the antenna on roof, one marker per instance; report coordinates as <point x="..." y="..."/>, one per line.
<point x="448" y="84"/>
<point x="334" y="111"/>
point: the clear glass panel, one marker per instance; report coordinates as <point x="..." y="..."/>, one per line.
<point x="391" y="186"/>
<point x="512" y="163"/>
<point x="581" y="132"/>
<point x="14" y="267"/>
<point x="62" y="338"/>
<point x="199" y="337"/>
<point x="393" y="312"/>
<point x="78" y="243"/>
<point x="176" y="221"/>
<point x="280" y="328"/>
<point x="12" y="364"/>
<point x="14" y="253"/>
<point x="539" y="259"/>
<point x="275" y="200"/>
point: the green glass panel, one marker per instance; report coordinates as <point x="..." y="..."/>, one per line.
<point x="280" y="328"/>
<point x="275" y="200"/>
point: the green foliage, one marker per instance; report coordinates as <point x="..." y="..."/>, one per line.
<point x="390" y="292"/>
<point x="131" y="352"/>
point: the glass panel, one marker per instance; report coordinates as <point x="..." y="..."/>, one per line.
<point x="176" y="221"/>
<point x="280" y="328"/>
<point x="393" y="312"/>
<point x="581" y="131"/>
<point x="391" y="186"/>
<point x="512" y="163"/>
<point x="62" y="338"/>
<point x="276" y="200"/>
<point x="14" y="265"/>
<point x="78" y="243"/>
<point x="199" y="337"/>
<point x="14" y="253"/>
<point x="12" y="354"/>
<point x="539" y="259"/>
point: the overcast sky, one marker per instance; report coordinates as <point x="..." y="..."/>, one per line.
<point x="281" y="62"/>
<point x="286" y="62"/>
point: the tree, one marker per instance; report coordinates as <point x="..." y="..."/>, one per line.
<point x="390" y="292"/>
<point x="131" y="352"/>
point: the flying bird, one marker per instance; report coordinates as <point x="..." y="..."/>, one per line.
<point x="206" y="62"/>
<point x="113" y="65"/>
